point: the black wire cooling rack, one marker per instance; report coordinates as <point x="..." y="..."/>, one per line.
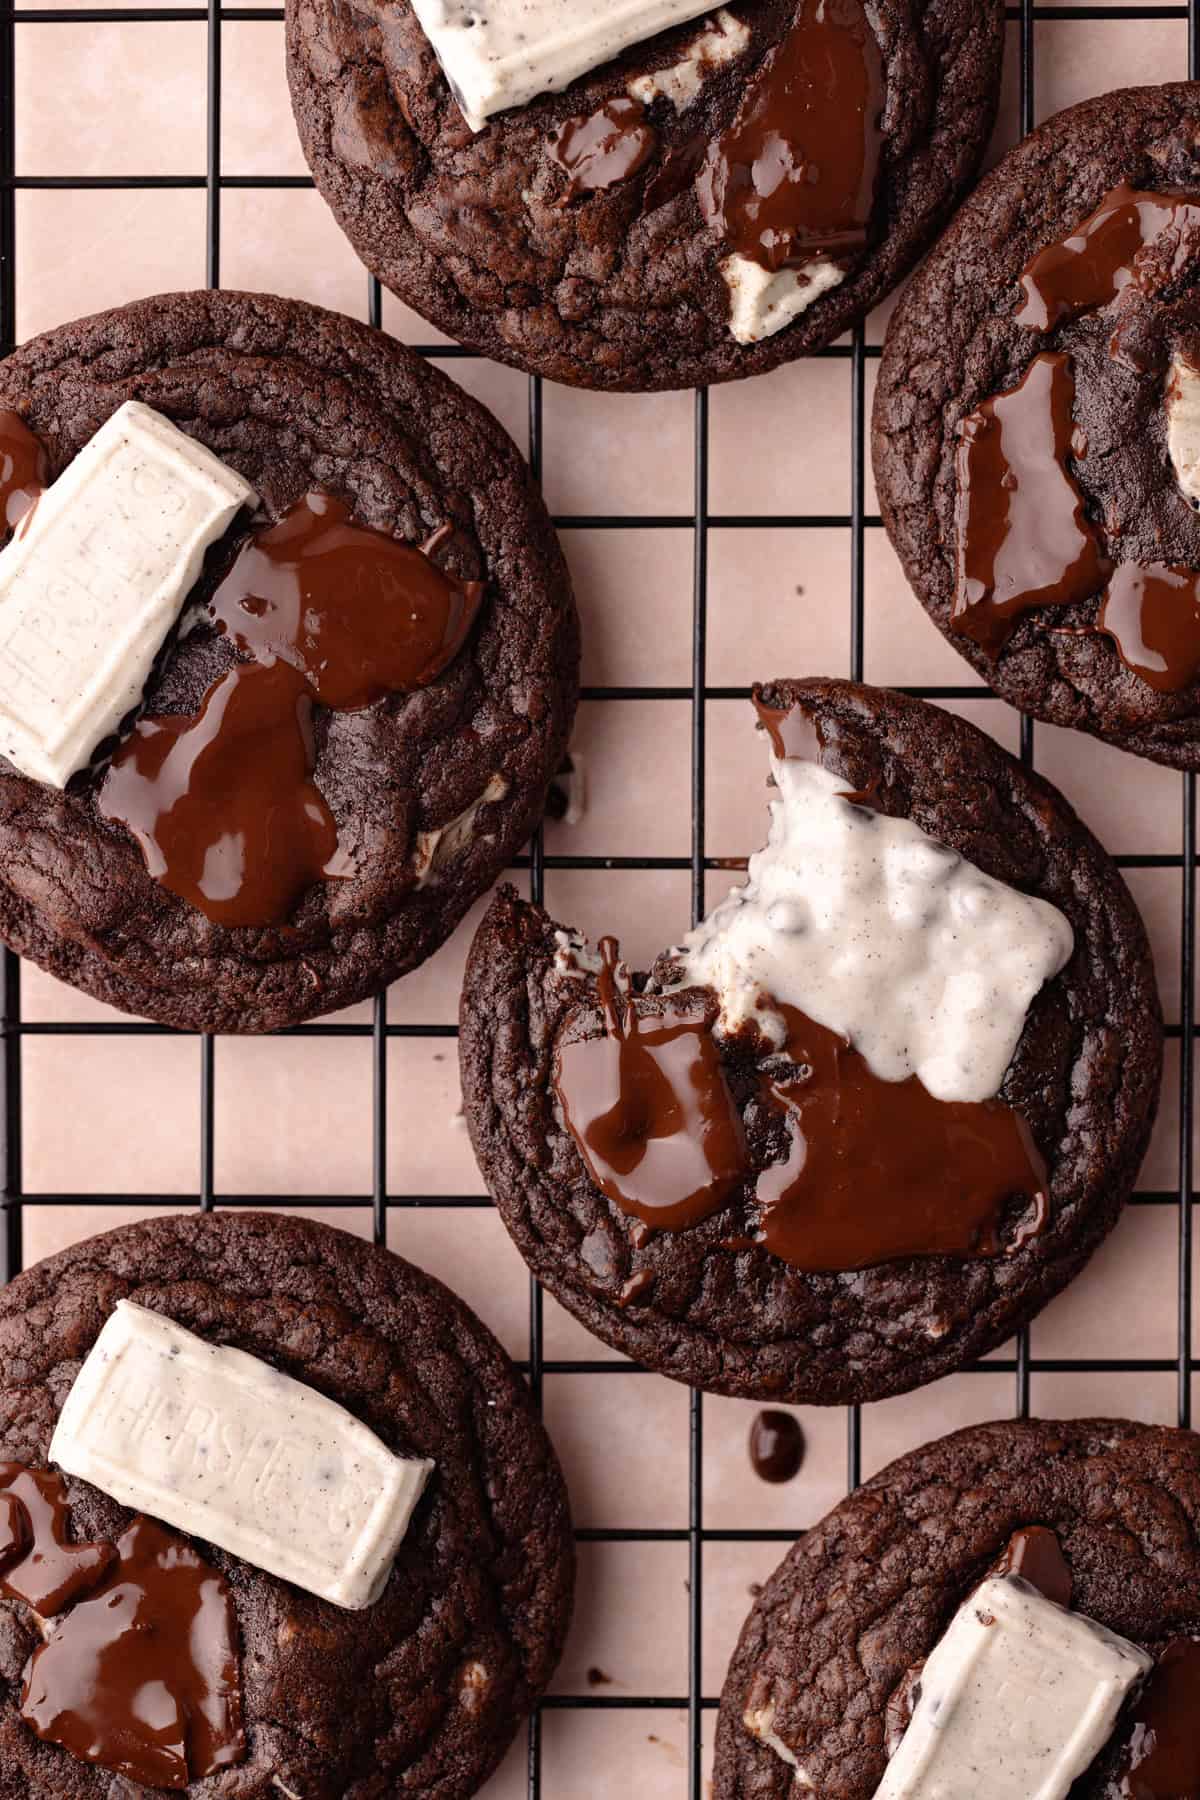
<point x="14" y="1029"/>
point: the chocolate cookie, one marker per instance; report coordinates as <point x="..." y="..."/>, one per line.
<point x="1037" y="424"/>
<point x="830" y="1655"/>
<point x="385" y="797"/>
<point x="731" y="1172"/>
<point x="422" y="1690"/>
<point x="613" y="235"/>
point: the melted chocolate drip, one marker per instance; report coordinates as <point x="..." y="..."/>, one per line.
<point x="24" y="469"/>
<point x="1034" y="1553"/>
<point x="776" y="1446"/>
<point x="1152" y="615"/>
<point x="793" y="731"/>
<point x="648" y="1107"/>
<point x="599" y="149"/>
<point x="222" y="801"/>
<point x="794" y="176"/>
<point x="1102" y="255"/>
<point x="1162" y="1758"/>
<point x="52" y="1571"/>
<point x="1023" y="538"/>
<point x="142" y="1676"/>
<point x="878" y="1170"/>
<point x="357" y="612"/>
<point x="16" y="1531"/>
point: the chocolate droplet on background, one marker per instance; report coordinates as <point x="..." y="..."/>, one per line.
<point x="776" y="1446"/>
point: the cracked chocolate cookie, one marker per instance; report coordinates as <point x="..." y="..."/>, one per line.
<point x="1033" y="1584"/>
<point x="1037" y="425"/>
<point x="291" y="658"/>
<point x="400" y="1577"/>
<point x="732" y="191"/>
<point x="865" y="1120"/>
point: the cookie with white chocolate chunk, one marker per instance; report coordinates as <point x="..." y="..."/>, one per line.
<point x="276" y="1517"/>
<point x="634" y="196"/>
<point x="993" y="1615"/>
<point x="1037" y="425"/>
<point x="288" y="661"/>
<point x="865" y="1120"/>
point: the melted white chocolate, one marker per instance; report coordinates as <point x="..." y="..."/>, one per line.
<point x="875" y="930"/>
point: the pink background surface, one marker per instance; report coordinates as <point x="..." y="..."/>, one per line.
<point x="120" y="1115"/>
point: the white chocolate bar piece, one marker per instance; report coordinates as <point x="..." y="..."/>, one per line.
<point x="226" y="1448"/>
<point x="500" y="53"/>
<point x="93" y="580"/>
<point x="724" y="39"/>
<point x="760" y="304"/>
<point x="1017" y="1700"/>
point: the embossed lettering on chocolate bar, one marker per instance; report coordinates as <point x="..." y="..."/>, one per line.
<point x="230" y="1449"/>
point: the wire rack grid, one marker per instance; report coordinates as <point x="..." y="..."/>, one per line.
<point x="15" y="1030"/>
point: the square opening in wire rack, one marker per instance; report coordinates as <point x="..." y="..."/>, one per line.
<point x="146" y="147"/>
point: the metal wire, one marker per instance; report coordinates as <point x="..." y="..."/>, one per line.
<point x="14" y="1029"/>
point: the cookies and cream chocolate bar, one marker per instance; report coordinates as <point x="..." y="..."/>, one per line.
<point x="501" y="53"/>
<point x="94" y="579"/>
<point x="225" y="1447"/>
<point x="925" y="963"/>
<point x="1018" y="1698"/>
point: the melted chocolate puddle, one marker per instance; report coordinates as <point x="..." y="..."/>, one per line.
<point x="24" y="469"/>
<point x="1152" y="615"/>
<point x="357" y="612"/>
<point x="222" y="801"/>
<point x="1035" y="1554"/>
<point x="794" y="176"/>
<point x="649" y="1108"/>
<point x="142" y="1676"/>
<point x="602" y="148"/>
<point x="1103" y="255"/>
<point x="50" y="1571"/>
<point x="1162" y="1758"/>
<point x="1023" y="537"/>
<point x="880" y="1170"/>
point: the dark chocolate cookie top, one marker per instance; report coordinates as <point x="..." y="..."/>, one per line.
<point x="866" y="1594"/>
<point x="969" y="329"/>
<point x="616" y="286"/>
<point x="706" y="1303"/>
<point x="423" y="1691"/>
<point x="295" y="399"/>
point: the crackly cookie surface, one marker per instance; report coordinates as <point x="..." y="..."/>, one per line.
<point x="708" y="1304"/>
<point x="865" y="1595"/>
<point x="970" y="328"/>
<point x="294" y="399"/>
<point x="617" y="286"/>
<point x="423" y="1690"/>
